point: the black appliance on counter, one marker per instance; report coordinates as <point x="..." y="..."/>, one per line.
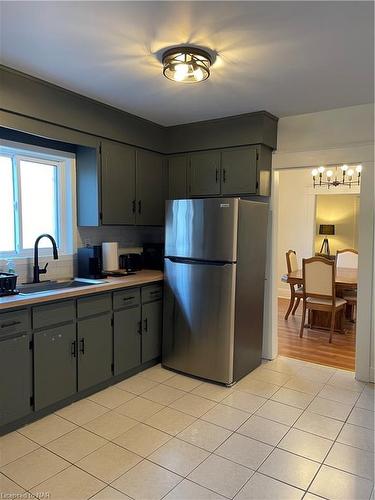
<point x="131" y="262"/>
<point x="89" y="261"/>
<point x="8" y="282"/>
<point x="153" y="256"/>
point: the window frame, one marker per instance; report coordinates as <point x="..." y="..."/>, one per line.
<point x="64" y="195"/>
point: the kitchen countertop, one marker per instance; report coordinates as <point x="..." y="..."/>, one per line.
<point x="140" y="278"/>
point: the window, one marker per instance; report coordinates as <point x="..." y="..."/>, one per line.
<point x="33" y="201"/>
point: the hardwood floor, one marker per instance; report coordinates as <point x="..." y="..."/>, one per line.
<point x="314" y="346"/>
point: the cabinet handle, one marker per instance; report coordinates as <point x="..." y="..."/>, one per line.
<point x="133" y="206"/>
<point x="216" y="175"/>
<point x="73" y="351"/>
<point x="128" y="298"/>
<point x="224" y="175"/>
<point x="11" y="323"/>
<point x="140" y="327"/>
<point x="139" y="206"/>
<point x="82" y="346"/>
<point x="145" y="325"/>
<point x="154" y="292"/>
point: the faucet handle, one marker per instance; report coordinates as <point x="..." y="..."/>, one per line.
<point x="44" y="270"/>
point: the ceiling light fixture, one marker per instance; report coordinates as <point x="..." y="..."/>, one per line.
<point x="323" y="177"/>
<point x="186" y="64"/>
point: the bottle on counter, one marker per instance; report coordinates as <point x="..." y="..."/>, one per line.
<point x="11" y="267"/>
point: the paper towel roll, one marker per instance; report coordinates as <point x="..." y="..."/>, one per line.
<point x="110" y="256"/>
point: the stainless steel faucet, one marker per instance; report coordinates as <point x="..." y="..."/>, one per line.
<point x="37" y="271"/>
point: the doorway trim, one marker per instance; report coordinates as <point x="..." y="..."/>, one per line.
<point x="363" y="154"/>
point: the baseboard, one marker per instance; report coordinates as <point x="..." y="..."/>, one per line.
<point x="372" y="374"/>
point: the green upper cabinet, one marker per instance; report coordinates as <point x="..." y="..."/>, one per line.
<point x="128" y="187"/>
<point x="177" y="177"/>
<point x="117" y="184"/>
<point x="150" y="188"/>
<point x="239" y="171"/>
<point x="204" y="173"/>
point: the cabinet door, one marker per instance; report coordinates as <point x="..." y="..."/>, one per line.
<point x="15" y="377"/>
<point x="239" y="171"/>
<point x="150" y="189"/>
<point x="127" y="339"/>
<point x="177" y="172"/>
<point x="118" y="184"/>
<point x="55" y="365"/>
<point x="204" y="173"/>
<point x="151" y="330"/>
<point x="94" y="350"/>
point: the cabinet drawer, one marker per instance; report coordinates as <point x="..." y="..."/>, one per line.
<point x="126" y="298"/>
<point x="152" y="292"/>
<point x="98" y="304"/>
<point x="14" y="322"/>
<point x="53" y="314"/>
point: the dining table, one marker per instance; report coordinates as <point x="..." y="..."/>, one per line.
<point x="345" y="279"/>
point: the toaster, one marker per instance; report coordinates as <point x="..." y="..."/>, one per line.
<point x="131" y="262"/>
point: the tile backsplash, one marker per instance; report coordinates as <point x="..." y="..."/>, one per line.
<point x="57" y="269"/>
<point x="65" y="266"/>
<point x="126" y="236"/>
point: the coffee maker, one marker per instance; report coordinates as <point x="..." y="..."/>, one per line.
<point x="90" y="263"/>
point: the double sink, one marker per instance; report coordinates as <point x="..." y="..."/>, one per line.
<point x="47" y="286"/>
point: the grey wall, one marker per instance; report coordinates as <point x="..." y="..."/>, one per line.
<point x="38" y="107"/>
<point x="33" y="98"/>
<point x="251" y="128"/>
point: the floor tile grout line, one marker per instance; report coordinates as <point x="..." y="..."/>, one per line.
<point x="323" y="463"/>
<point x="15" y="482"/>
<point x="198" y="418"/>
<point x="53" y="475"/>
<point x="266" y="475"/>
<point x="251" y="414"/>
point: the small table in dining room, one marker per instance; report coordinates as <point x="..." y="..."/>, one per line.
<point x="346" y="279"/>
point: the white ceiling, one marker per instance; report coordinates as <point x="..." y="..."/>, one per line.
<point x="285" y="57"/>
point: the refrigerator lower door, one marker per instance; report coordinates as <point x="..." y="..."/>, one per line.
<point x="198" y="331"/>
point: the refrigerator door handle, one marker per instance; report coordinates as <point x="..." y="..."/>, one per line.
<point x="182" y="260"/>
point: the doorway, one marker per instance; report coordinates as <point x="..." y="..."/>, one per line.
<point x="304" y="215"/>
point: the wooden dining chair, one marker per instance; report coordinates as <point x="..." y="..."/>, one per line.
<point x="347" y="257"/>
<point x="319" y="290"/>
<point x="295" y="292"/>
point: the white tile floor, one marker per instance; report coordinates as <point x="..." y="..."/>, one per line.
<point x="289" y="430"/>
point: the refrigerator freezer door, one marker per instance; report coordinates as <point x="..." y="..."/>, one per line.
<point x="199" y="319"/>
<point x="203" y="229"/>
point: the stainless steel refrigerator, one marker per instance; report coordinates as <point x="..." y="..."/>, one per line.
<point x="215" y="254"/>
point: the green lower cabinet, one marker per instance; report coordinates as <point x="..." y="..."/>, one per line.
<point x="127" y="339"/>
<point x="15" y="378"/>
<point x="55" y="365"/>
<point x="152" y="314"/>
<point x="94" y="350"/>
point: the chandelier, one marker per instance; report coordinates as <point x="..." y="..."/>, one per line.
<point x="344" y="175"/>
